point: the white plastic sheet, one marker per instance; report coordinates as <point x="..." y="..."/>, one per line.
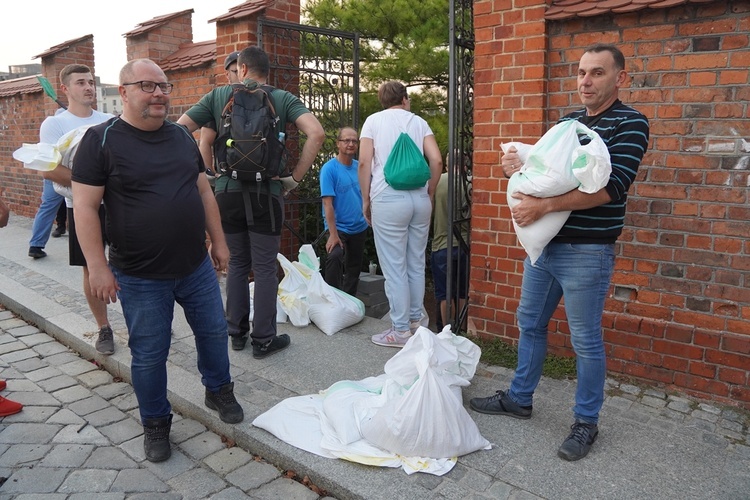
<point x="414" y="411"/>
<point x="555" y="165"/>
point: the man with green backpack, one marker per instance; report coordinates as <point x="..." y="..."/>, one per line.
<point x="249" y="191"/>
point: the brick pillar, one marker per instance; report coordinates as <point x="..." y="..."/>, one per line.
<point x="510" y="86"/>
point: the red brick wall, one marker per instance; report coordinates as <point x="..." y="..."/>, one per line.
<point x="21" y="116"/>
<point x="679" y="308"/>
<point x="156" y="44"/>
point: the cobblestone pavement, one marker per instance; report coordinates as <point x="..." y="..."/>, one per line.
<point x="79" y="436"/>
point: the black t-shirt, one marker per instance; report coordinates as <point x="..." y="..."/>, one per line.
<point x="155" y="217"/>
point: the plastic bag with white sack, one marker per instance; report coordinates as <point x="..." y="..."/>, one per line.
<point x="68" y="146"/>
<point x="555" y="165"/>
<point x="46" y="157"/>
<point x="42" y="156"/>
<point x="428" y="419"/>
<point x="417" y="401"/>
<point x="328" y="307"/>
<point x="292" y="292"/>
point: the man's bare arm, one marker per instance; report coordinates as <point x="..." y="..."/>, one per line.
<point x="532" y="209"/>
<point x="86" y="202"/>
<point x="188" y="122"/>
<point x="60" y="174"/>
<point x="205" y="145"/>
<point x="313" y="130"/>
<point x="435" y="159"/>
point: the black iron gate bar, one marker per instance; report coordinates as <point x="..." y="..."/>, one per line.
<point x="460" y="150"/>
<point x="322" y="67"/>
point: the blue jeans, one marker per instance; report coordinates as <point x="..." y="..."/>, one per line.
<point x="401" y="223"/>
<point x="45" y="216"/>
<point x="148" y="307"/>
<point x="581" y="273"/>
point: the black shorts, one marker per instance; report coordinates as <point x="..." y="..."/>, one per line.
<point x="74" y="249"/>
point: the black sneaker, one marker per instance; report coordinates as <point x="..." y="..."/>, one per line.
<point x="224" y="401"/>
<point x="238" y="341"/>
<point x="37" y="253"/>
<point x="500" y="404"/>
<point x="276" y="344"/>
<point x="578" y="443"/>
<point x="105" y="342"/>
<point x="156" y="438"/>
<point x="59" y="231"/>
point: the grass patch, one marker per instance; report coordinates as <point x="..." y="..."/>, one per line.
<point x="498" y="353"/>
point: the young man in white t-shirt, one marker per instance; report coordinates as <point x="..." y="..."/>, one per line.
<point x="79" y="86"/>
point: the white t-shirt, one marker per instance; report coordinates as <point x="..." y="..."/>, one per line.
<point x="54" y="127"/>
<point x="384" y="128"/>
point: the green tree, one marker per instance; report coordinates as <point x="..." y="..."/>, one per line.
<point x="401" y="40"/>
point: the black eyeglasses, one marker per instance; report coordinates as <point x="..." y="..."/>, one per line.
<point x="349" y="141"/>
<point x="150" y="87"/>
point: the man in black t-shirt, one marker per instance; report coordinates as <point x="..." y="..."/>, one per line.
<point x="159" y="206"/>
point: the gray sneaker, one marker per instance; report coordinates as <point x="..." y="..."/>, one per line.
<point x="500" y="404"/>
<point x="579" y="441"/>
<point x="105" y="344"/>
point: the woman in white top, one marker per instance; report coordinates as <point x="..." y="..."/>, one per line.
<point x="400" y="219"/>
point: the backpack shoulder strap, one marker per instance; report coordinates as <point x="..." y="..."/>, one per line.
<point x="268" y="89"/>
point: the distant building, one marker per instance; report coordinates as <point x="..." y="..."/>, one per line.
<point x="21" y="70"/>
<point x="108" y="98"/>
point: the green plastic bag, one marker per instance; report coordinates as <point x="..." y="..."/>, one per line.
<point x="406" y="167"/>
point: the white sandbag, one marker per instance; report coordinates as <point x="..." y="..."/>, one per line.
<point x="328" y="307"/>
<point x="46" y="157"/>
<point x="336" y="422"/>
<point x="555" y="165"/>
<point x="43" y="157"/>
<point x="297" y="421"/>
<point x="415" y="423"/>
<point x="292" y="292"/>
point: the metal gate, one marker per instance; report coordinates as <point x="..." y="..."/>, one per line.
<point x="321" y="66"/>
<point x="460" y="156"/>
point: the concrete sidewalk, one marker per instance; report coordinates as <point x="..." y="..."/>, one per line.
<point x="651" y="444"/>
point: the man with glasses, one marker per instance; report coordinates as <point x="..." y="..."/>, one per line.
<point x="342" y="210"/>
<point x="149" y="173"/>
<point x="208" y="131"/>
<point x="254" y="243"/>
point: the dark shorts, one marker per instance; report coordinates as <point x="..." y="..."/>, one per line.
<point x="74" y="249"/>
<point x="439" y="261"/>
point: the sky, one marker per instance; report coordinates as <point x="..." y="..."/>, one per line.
<point x="31" y="29"/>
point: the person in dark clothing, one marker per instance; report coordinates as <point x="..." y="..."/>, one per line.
<point x="254" y="244"/>
<point x="159" y="206"/>
<point x="60" y="220"/>
<point x="578" y="263"/>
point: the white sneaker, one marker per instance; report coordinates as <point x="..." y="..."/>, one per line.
<point x="416" y="323"/>
<point x="391" y="338"/>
